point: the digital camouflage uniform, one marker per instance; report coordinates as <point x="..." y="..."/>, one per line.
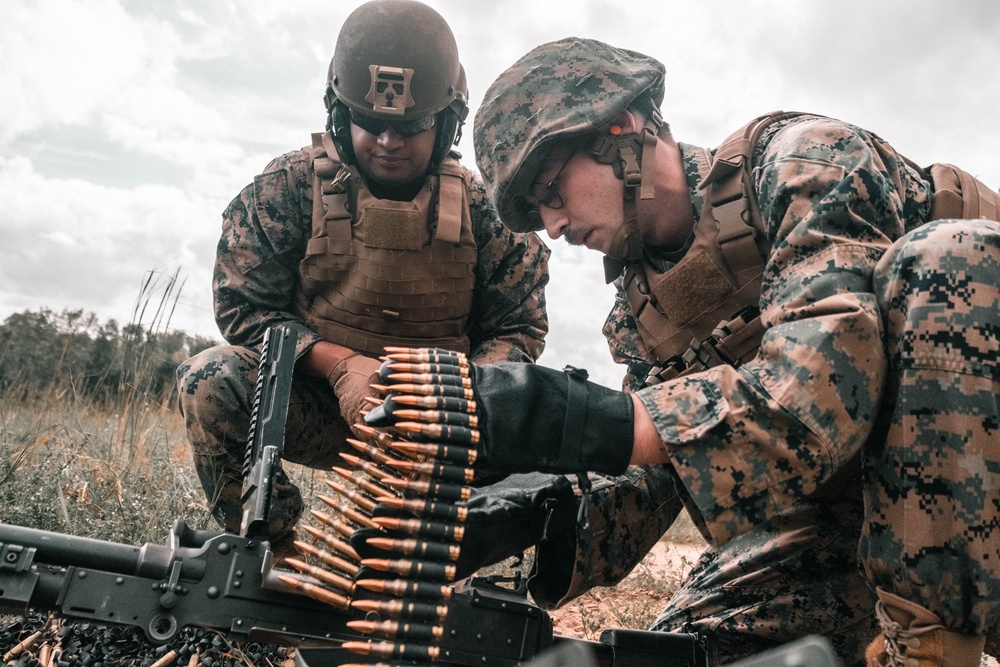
<point x="870" y="407"/>
<point x="255" y="283"/>
<point x="766" y="452"/>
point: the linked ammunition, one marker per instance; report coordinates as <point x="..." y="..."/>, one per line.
<point x="454" y="434"/>
<point x="421" y="355"/>
<point x="414" y="547"/>
<point x="330" y="578"/>
<point x="436" y="470"/>
<point x="397" y="630"/>
<point x="394" y="650"/>
<point x="424" y="611"/>
<point x="433" y="529"/>
<point x="433" y="489"/>
<point x="347" y="511"/>
<point x="432" y="379"/>
<point x="332" y="542"/>
<point x="366" y="466"/>
<point x="417" y="569"/>
<point x="317" y="592"/>
<point x="352" y="495"/>
<point x="336" y="523"/>
<point x="426" y="507"/>
<point x="428" y="390"/>
<point x="376" y="436"/>
<point x="438" y="417"/>
<point x="363" y="481"/>
<point x="428" y="368"/>
<point x="402" y="588"/>
<point x="436" y="403"/>
<point x="327" y="558"/>
<point x="371" y="451"/>
<point x="452" y="453"/>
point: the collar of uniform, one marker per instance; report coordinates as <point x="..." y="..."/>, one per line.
<point x="695" y="161"/>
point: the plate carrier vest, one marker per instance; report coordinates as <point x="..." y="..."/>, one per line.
<point x="372" y="274"/>
<point x="704" y="311"/>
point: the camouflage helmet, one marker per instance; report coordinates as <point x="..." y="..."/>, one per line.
<point x="396" y="60"/>
<point x="560" y="91"/>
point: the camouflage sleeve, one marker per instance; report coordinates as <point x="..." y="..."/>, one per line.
<point x="508" y="321"/>
<point x="264" y="232"/>
<point x="747" y="443"/>
<point x="625" y="342"/>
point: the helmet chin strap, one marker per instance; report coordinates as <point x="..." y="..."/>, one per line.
<point x="633" y="158"/>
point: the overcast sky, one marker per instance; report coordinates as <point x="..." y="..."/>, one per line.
<point x="127" y="126"/>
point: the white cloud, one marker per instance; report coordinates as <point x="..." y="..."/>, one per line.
<point x="192" y="99"/>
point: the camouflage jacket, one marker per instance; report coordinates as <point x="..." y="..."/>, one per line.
<point x="257" y="268"/>
<point x="749" y="442"/>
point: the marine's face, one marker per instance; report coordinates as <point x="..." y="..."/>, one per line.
<point x="391" y="159"/>
<point x="584" y="199"/>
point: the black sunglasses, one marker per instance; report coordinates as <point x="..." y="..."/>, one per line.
<point x="404" y="128"/>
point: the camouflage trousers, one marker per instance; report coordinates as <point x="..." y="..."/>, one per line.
<point x="216" y="390"/>
<point x="932" y="469"/>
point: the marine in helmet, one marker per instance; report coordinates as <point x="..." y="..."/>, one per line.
<point x="788" y="310"/>
<point x="374" y="234"/>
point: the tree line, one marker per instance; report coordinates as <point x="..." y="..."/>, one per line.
<point x="76" y="355"/>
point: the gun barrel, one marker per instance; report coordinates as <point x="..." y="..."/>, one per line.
<point x="149" y="560"/>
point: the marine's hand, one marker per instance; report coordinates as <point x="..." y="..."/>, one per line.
<point x="351" y="380"/>
<point x="518" y="417"/>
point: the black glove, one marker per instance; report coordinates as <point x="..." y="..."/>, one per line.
<point x="504" y="519"/>
<point x="518" y="417"/>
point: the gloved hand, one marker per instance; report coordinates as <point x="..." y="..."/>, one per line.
<point x="525" y="510"/>
<point x="518" y="417"/>
<point x="351" y="380"/>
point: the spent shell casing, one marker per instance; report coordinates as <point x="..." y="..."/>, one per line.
<point x="438" y="417"/>
<point x="367" y="467"/>
<point x="362" y="480"/>
<point x="336" y="523"/>
<point x="327" y="558"/>
<point x="412" y="609"/>
<point x="402" y="588"/>
<point x="371" y="451"/>
<point x="167" y="659"/>
<point x="347" y="511"/>
<point x="329" y="540"/>
<point x="431" y="379"/>
<point x="450" y="453"/>
<point x="426" y="507"/>
<point x="398" y="630"/>
<point x="435" y="469"/>
<point x="435" y="530"/>
<point x="423" y="570"/>
<point x="428" y="368"/>
<point x="352" y="495"/>
<point x="436" y="403"/>
<point x="431" y="488"/>
<point x="454" y="434"/>
<point x="316" y="592"/>
<point x="420" y="548"/>
<point x="329" y="578"/>
<point x="388" y="649"/>
<point x="429" y="390"/>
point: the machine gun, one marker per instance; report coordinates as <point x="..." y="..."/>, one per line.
<point x="227" y="583"/>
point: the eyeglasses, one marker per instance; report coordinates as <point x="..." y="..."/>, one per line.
<point x="545" y="194"/>
<point x="404" y="128"/>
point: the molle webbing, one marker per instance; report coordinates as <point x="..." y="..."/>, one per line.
<point x="380" y="272"/>
<point x="703" y="311"/>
